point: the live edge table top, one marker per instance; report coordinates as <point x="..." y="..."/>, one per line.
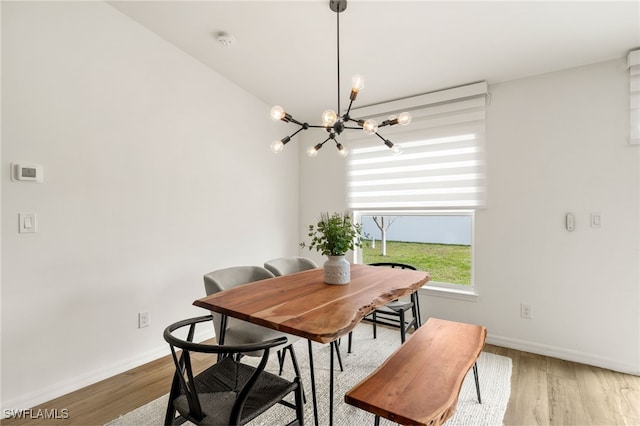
<point x="303" y="305"/>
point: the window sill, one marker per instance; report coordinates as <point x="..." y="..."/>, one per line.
<point x="436" y="290"/>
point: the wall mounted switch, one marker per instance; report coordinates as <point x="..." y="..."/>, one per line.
<point x="27" y="223"/>
<point x="570" y="221"/>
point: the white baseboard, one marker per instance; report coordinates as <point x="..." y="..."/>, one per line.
<point x="47" y="394"/>
<point x="41" y="396"/>
<point x="563" y="353"/>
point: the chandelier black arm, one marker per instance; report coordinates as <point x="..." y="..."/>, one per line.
<point x="347" y="118"/>
<point x="346" y="114"/>
<point x="304" y="126"/>
<point x="293" y="120"/>
<point x="380" y="136"/>
<point x="319" y="146"/>
<point x="387" y="142"/>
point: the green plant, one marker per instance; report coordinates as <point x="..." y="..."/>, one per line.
<point x="335" y="234"/>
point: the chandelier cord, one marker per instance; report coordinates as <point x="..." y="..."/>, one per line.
<point x="338" y="50"/>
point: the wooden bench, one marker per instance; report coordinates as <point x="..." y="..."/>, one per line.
<point x="420" y="382"/>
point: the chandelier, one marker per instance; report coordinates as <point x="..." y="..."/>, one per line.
<point x="333" y="123"/>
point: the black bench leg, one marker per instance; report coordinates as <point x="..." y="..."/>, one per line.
<point x="376" y="421"/>
<point x="375" y="318"/>
<point x="475" y="376"/>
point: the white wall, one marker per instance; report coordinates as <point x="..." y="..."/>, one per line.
<point x="557" y="143"/>
<point x="151" y="179"/>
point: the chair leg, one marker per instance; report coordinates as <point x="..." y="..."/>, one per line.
<point x="281" y="356"/>
<point x="376" y="421"/>
<point x="170" y="415"/>
<point x="296" y="368"/>
<point x="375" y="318"/>
<point x="416" y="307"/>
<point x="475" y="376"/>
<point x="300" y="400"/>
<point x="403" y="332"/>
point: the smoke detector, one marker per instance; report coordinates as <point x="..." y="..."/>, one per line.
<point x="225" y="39"/>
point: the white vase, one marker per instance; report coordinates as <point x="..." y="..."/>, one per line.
<point x="337" y="270"/>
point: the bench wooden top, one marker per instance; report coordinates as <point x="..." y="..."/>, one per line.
<point x="303" y="305"/>
<point x="419" y="384"/>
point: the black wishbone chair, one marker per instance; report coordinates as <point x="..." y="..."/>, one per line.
<point x="228" y="392"/>
<point x="394" y="313"/>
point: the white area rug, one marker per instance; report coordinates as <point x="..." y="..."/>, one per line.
<point x="368" y="354"/>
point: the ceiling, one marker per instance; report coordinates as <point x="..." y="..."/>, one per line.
<point x="284" y="52"/>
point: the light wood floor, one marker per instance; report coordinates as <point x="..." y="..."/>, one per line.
<point x="544" y="391"/>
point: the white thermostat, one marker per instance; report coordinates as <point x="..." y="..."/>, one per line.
<point x="26" y="172"/>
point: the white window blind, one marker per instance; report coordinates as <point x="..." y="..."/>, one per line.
<point x="442" y="165"/>
<point x="634" y="96"/>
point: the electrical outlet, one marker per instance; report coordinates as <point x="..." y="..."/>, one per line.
<point x="143" y="319"/>
<point x="525" y="311"/>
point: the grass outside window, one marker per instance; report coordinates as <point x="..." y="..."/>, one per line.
<point x="446" y="263"/>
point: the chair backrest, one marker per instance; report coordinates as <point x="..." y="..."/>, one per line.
<point x="224" y="279"/>
<point x="289" y="265"/>
<point x="394" y="265"/>
<point x="184" y="392"/>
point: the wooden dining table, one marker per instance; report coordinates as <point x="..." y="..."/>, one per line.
<point x="303" y="305"/>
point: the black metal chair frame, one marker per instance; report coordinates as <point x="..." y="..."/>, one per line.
<point x="237" y="384"/>
<point x="393" y="314"/>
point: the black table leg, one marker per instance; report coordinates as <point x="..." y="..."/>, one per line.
<point x="313" y="385"/>
<point x="331" y="386"/>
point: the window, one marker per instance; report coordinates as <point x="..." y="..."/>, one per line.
<point x="438" y="242"/>
<point x="633" y="61"/>
<point x="438" y="181"/>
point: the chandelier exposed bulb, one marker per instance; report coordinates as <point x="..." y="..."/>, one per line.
<point x="312" y="151"/>
<point x="395" y="149"/>
<point x="277" y="147"/>
<point x="329" y="117"/>
<point x="370" y="126"/>
<point x="404" y="118"/>
<point x="277" y="112"/>
<point x="342" y="150"/>
<point x="357" y="84"/>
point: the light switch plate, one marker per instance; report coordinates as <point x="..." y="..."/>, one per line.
<point x="27" y="223"/>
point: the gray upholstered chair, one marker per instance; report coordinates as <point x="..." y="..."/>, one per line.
<point x="238" y="332"/>
<point x="289" y="265"/>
